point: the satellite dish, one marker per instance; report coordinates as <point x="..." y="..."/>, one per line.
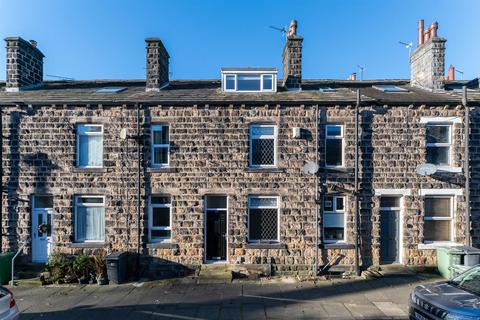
<point x="123" y="134"/>
<point x="310" y="168"/>
<point x="426" y="169"/>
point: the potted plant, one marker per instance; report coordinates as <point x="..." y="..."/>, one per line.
<point x="100" y="269"/>
<point x="82" y="267"/>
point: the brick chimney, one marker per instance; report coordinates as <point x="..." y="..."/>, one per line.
<point x="157" y="65"/>
<point x="451" y="73"/>
<point x="427" y="62"/>
<point x="292" y="59"/>
<point x="24" y="64"/>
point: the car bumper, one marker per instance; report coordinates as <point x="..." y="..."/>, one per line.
<point x="12" y="314"/>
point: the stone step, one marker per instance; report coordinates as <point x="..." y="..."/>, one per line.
<point x="216" y="272"/>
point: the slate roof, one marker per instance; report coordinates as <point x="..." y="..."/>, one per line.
<point x="184" y="92"/>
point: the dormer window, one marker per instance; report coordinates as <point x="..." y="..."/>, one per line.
<point x="249" y="80"/>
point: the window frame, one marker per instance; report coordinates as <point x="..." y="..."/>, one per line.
<point x="335" y="211"/>
<point x="157" y="145"/>
<point x="277" y="207"/>
<point x="260" y="74"/>
<point x="275" y="145"/>
<point x="440" y="144"/>
<point x="332" y="137"/>
<point x="450" y="218"/>
<point x="77" y="204"/>
<point x="150" y="219"/>
<point x="86" y="133"/>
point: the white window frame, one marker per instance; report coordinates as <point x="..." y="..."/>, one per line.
<point x="86" y="133"/>
<point x="277" y="207"/>
<point x="247" y="73"/>
<point x="78" y="204"/>
<point x="335" y="137"/>
<point x="449" y="218"/>
<point x="159" y="127"/>
<point x="150" y="218"/>
<point x="275" y="144"/>
<point x="335" y="211"/>
<point x="442" y="144"/>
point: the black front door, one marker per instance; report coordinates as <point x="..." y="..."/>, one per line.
<point x="389" y="236"/>
<point x="216" y="235"/>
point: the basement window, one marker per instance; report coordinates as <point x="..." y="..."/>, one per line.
<point x="249" y="80"/>
<point x="389" y="88"/>
<point x="111" y="89"/>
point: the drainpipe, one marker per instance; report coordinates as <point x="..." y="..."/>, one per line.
<point x="466" y="166"/>
<point x="356" y="233"/>
<point x="139" y="189"/>
<point x="1" y="179"/>
<point x="317" y="198"/>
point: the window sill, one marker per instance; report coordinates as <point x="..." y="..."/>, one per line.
<point x="336" y="169"/>
<point x="87" y="170"/>
<point x="93" y="245"/>
<point x="266" y="246"/>
<point x="449" y="169"/>
<point x="265" y="169"/>
<point x="162" y="245"/>
<point x="435" y="245"/>
<point x="337" y="246"/>
<point x="161" y="170"/>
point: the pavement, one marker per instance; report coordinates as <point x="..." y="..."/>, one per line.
<point x="383" y="298"/>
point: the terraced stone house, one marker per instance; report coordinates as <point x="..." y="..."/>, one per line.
<point x="254" y="168"/>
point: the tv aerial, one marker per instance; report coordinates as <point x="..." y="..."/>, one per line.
<point x="282" y="30"/>
<point x="361" y="69"/>
<point x="408" y="46"/>
<point x="426" y="169"/>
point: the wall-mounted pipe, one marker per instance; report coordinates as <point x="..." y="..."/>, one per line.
<point x="466" y="164"/>
<point x="357" y="244"/>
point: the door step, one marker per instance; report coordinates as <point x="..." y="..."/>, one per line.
<point x="218" y="273"/>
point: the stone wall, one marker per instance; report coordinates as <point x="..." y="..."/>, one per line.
<point x="24" y="64"/>
<point x="209" y="155"/>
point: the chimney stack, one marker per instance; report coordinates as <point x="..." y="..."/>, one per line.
<point x="157" y="65"/>
<point x="352" y="76"/>
<point x="451" y="73"/>
<point x="24" y="64"/>
<point x="427" y="62"/>
<point x="292" y="59"/>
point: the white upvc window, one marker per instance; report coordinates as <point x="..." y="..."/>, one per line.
<point x="160" y="219"/>
<point x="263" y="219"/>
<point x="334" y="145"/>
<point x="334" y="219"/>
<point x="89" y="218"/>
<point x="263" y="145"/>
<point x="160" y="145"/>
<point x="438" y="219"/>
<point x="439" y="143"/>
<point x="90" y="145"/>
<point x="249" y="82"/>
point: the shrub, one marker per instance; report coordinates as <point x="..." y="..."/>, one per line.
<point x="100" y="266"/>
<point x="82" y="266"/>
<point x="60" y="266"/>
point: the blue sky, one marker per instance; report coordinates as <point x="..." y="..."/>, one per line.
<point x="92" y="39"/>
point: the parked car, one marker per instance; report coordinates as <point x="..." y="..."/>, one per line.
<point x="456" y="299"/>
<point x="8" y="305"/>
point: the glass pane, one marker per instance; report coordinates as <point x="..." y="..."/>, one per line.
<point x="91" y="151"/>
<point x="267" y="82"/>
<point x="333" y="152"/>
<point x="163" y="234"/>
<point x="389" y="202"/>
<point x="230" y="82"/>
<point x="438" y="134"/>
<point x="334" y="131"/>
<point x="160" y="155"/>
<point x="437" y="207"/>
<point x="90" y="223"/>
<point x="438" y="155"/>
<point x="335" y="234"/>
<point x="248" y="83"/>
<point x="160" y="135"/>
<point x="90" y="200"/>
<point x="263" y="224"/>
<point x="219" y="202"/>
<point x="328" y="204"/>
<point x="340" y="205"/>
<point x="334" y="220"/>
<point x="161" y="217"/>
<point x="263" y="202"/>
<point x="258" y="131"/>
<point x="40" y="222"/>
<point x="49" y="224"/>
<point x="159" y="200"/>
<point x="263" y="152"/>
<point x="436" y="230"/>
<point x="43" y="202"/>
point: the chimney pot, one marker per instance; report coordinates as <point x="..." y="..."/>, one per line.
<point x="33" y="43"/>
<point x="420" y="32"/>
<point x="451" y="73"/>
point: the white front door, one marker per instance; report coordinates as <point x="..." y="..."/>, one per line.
<point x="41" y="234"/>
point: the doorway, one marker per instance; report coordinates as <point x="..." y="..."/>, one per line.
<point x="41" y="228"/>
<point x="390" y="229"/>
<point x="216" y="228"/>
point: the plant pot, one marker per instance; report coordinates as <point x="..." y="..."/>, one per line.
<point x="102" y="281"/>
<point x="82" y="280"/>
